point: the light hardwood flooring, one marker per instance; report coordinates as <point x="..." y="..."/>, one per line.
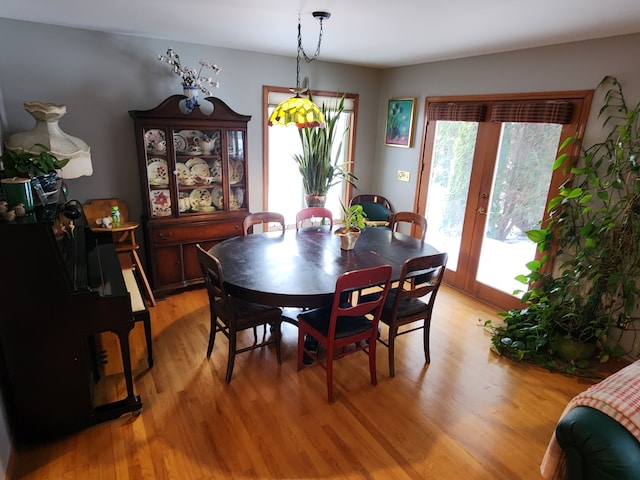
<point x="470" y="414"/>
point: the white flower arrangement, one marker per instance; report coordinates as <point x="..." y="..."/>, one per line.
<point x="190" y="76"/>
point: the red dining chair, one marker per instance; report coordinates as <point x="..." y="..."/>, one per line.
<point x="413" y="301"/>
<point x="264" y="219"/>
<point x="231" y="315"/>
<point x="415" y="219"/>
<point x="314" y="212"/>
<point x="346" y="327"/>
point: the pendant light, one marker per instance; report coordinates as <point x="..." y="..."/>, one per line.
<point x="297" y="110"/>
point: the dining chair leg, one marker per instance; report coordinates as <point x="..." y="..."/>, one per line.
<point x="277" y="332"/>
<point x="212" y="334"/>
<point x="372" y="362"/>
<point x="427" y="328"/>
<point x="232" y="354"/>
<point x="300" y="347"/>
<point x="393" y="332"/>
<point x="330" y="375"/>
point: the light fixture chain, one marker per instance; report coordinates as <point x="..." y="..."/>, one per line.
<point x="301" y="49"/>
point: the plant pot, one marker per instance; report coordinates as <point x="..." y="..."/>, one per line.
<point x="45" y="188"/>
<point x="573" y="350"/>
<point x="348" y="239"/>
<point x="315" y="200"/>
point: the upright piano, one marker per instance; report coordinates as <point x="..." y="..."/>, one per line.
<point x="60" y="291"/>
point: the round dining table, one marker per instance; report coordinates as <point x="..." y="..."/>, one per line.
<point x="300" y="269"/>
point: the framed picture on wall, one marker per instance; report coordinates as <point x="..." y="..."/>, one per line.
<point x="399" y="130"/>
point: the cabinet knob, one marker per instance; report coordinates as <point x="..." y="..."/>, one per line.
<point x="167" y="236"/>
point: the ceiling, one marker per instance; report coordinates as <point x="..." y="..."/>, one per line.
<point x="374" y="33"/>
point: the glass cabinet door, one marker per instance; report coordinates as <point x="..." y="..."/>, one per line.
<point x="236" y="169"/>
<point x="198" y="171"/>
<point x="157" y="172"/>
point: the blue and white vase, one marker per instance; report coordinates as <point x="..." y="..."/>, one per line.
<point x="191" y="92"/>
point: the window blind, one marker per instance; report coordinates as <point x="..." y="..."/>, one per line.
<point x="556" y="111"/>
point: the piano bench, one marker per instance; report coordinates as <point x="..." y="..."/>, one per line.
<point x="139" y="309"/>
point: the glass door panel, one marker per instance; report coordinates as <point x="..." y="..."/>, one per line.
<point x="453" y="152"/>
<point x="516" y="201"/>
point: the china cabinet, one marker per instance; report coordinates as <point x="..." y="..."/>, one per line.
<point x="193" y="170"/>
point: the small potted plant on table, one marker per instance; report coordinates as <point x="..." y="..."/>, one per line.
<point x="352" y="224"/>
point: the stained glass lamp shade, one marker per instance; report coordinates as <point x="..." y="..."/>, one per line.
<point x="297" y="111"/>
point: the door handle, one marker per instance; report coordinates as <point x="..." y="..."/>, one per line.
<point x="481" y="211"/>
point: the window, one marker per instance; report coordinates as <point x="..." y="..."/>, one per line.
<point x="282" y="188"/>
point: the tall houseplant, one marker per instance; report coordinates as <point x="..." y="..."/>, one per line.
<point x="320" y="169"/>
<point x="594" y="223"/>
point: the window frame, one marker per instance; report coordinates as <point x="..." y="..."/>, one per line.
<point x="349" y="151"/>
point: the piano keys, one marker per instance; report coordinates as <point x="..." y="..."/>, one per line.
<point x="58" y="296"/>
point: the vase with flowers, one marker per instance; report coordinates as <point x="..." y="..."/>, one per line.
<point x="192" y="80"/>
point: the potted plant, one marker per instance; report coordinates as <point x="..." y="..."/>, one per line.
<point x="319" y="169"/>
<point x="585" y="286"/>
<point x="38" y="164"/>
<point x="352" y="224"/>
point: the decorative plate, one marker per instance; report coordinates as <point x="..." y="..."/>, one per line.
<point x="160" y="203"/>
<point x="200" y="197"/>
<point x="189" y="142"/>
<point x="180" y="143"/>
<point x="200" y="170"/>
<point x="155" y="141"/>
<point x="217" y="197"/>
<point x="237" y="198"/>
<point x="194" y="161"/>
<point x="216" y="171"/>
<point x="158" y="172"/>
<point x="236" y="173"/>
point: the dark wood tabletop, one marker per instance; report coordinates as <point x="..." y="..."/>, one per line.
<point x="300" y="269"/>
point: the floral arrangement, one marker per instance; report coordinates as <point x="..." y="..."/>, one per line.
<point x="190" y="76"/>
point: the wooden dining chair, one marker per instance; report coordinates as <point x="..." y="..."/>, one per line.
<point x="231" y="315"/>
<point x="413" y="301"/>
<point x="310" y="213"/>
<point x="415" y="219"/>
<point x="377" y="208"/>
<point x="264" y="219"/>
<point x="346" y="327"/>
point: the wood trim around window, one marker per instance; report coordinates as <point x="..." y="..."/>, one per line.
<point x="349" y="154"/>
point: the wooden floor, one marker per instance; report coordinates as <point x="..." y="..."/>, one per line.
<point x="468" y="415"/>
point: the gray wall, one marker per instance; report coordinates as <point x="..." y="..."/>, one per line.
<point x="573" y="66"/>
<point x="100" y="77"/>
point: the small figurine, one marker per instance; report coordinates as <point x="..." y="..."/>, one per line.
<point x="10" y="216"/>
<point x="20" y="210"/>
<point x="105" y="222"/>
<point x="3" y="207"/>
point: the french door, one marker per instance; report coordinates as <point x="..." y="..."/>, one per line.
<point x="487" y="175"/>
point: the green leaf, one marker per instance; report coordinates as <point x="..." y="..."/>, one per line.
<point x="537" y="236"/>
<point x="559" y="161"/>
